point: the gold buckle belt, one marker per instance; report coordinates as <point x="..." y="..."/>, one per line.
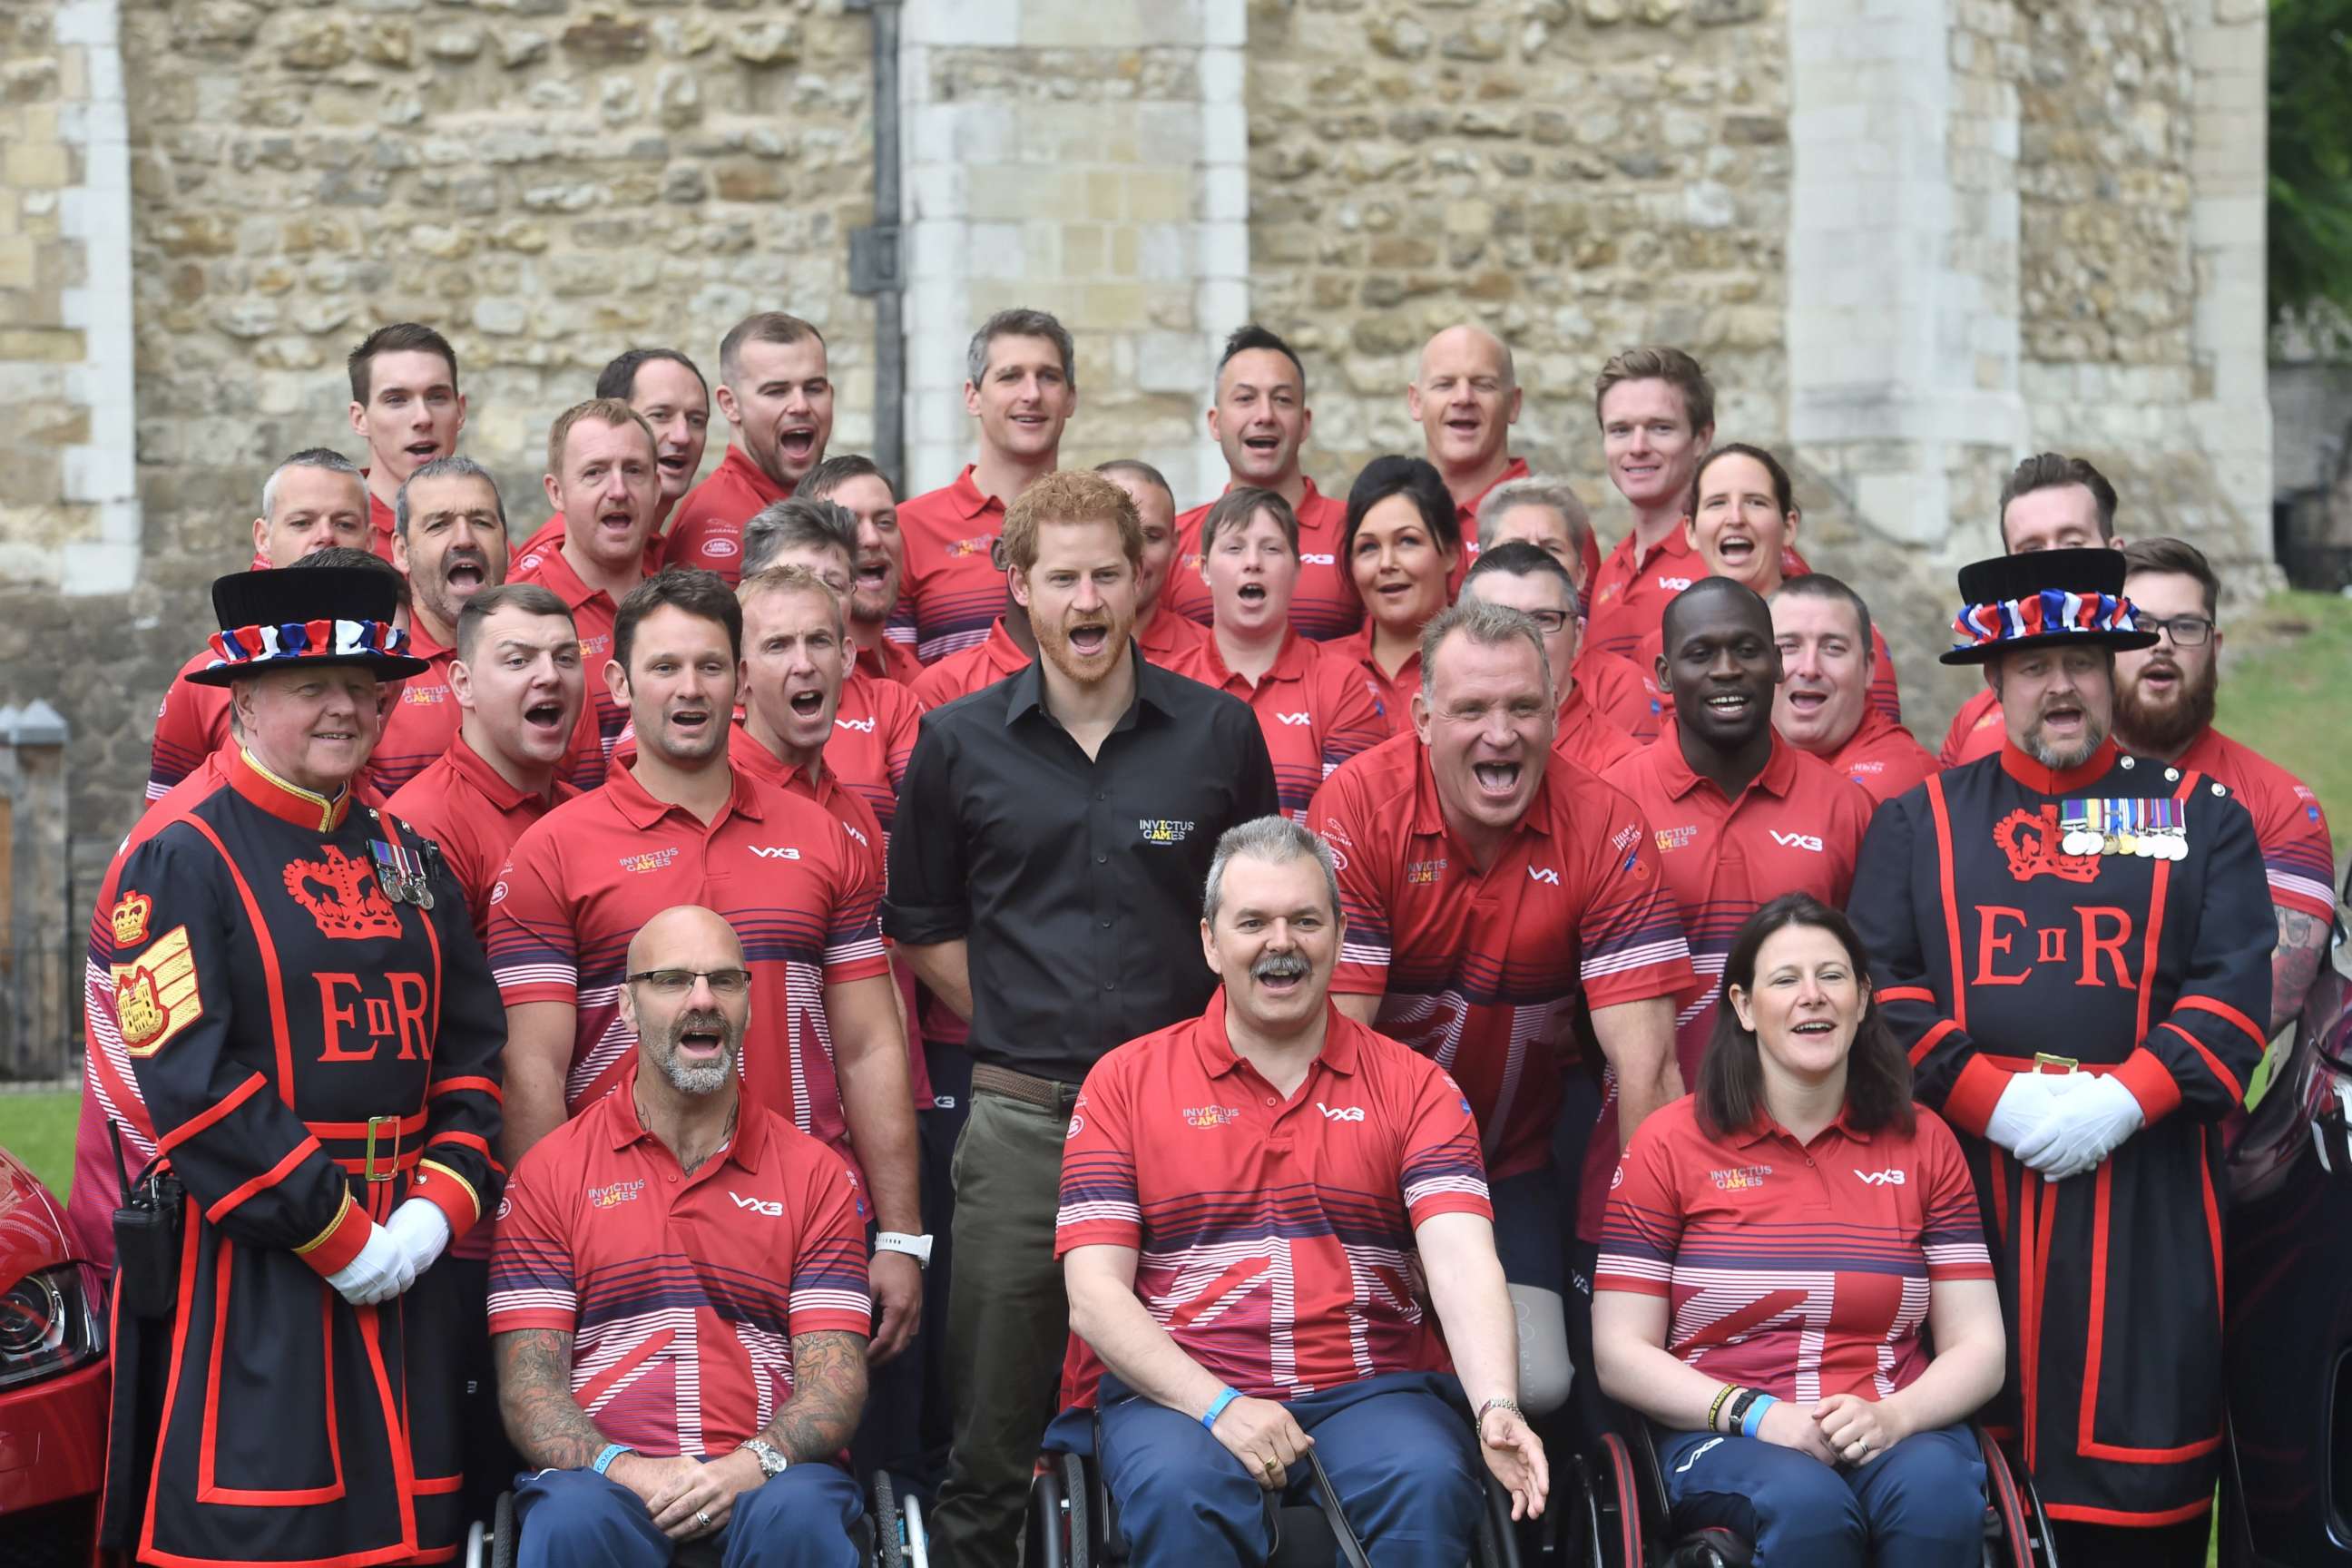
<point x="380" y="1127"/>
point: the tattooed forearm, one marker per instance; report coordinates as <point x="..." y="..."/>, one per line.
<point x="2295" y="962"/>
<point x="545" y="1423"/>
<point x="828" y="1393"/>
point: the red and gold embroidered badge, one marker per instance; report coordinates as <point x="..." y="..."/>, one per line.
<point x="130" y="919"/>
<point x="155" y="997"/>
<point x="343" y="896"/>
<point x="2031" y="842"/>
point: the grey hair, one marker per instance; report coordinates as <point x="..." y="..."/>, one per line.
<point x="1020" y="323"/>
<point x="1539" y="490"/>
<point x="1488" y="626"/>
<point x="325" y="457"/>
<point x="793" y="523"/>
<point x="452" y="466"/>
<point x="1278" y="840"/>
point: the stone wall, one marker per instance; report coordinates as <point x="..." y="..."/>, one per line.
<point x="1578" y="175"/>
<point x="547" y="181"/>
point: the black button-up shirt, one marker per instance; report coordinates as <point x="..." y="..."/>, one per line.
<point x="1076" y="883"/>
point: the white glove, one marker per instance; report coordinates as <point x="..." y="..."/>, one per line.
<point x="2083" y="1128"/>
<point x="2021" y="1110"/>
<point x="421" y="1230"/>
<point x="380" y="1271"/>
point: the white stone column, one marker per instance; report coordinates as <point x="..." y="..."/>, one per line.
<point x="1121" y="204"/>
<point x="2229" y="51"/>
<point x="1903" y="319"/>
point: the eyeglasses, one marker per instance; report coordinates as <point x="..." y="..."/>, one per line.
<point x="2186" y="631"/>
<point x="1551" y="622"/>
<point x="678" y="982"/>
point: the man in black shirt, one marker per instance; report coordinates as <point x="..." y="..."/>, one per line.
<point x="1053" y="834"/>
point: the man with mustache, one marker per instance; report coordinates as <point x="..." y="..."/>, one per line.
<point x="776" y="392"/>
<point x="2164" y="710"/>
<point x="2072" y="945"/>
<point x="450" y="541"/>
<point x="1494" y="899"/>
<point x="678" y="1198"/>
<point x="1021" y="385"/>
<point x="1051" y="841"/>
<point x="1824" y="706"/>
<point x="1273" y="1125"/>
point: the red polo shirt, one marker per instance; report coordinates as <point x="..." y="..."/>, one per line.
<point x="1882" y="757"/>
<point x="423" y="721"/>
<point x="708" y="532"/>
<point x="191" y="724"/>
<point x="1800" y="1269"/>
<point x="994" y="659"/>
<point x="1396" y="692"/>
<point x="1170" y="639"/>
<point x="1624" y="693"/>
<point x="2297" y="858"/>
<point x="1275" y="1233"/>
<point x="549" y="540"/>
<point x="1632" y="591"/>
<point x="1978" y="730"/>
<point x="1586" y="737"/>
<point x="781" y="869"/>
<point x="1323" y="605"/>
<point x="1796" y="828"/>
<point x="466" y="805"/>
<point x="1315" y="709"/>
<point x="592" y="614"/>
<point x="950" y="589"/>
<point x="683" y="1290"/>
<point x="894" y="660"/>
<point x="1482" y="972"/>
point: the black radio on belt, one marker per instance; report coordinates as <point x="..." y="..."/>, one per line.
<point x="147" y="1236"/>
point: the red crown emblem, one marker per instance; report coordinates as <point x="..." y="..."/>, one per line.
<point x="2030" y="840"/>
<point x="354" y="907"/>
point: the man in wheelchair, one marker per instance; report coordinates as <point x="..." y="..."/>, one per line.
<point x="1774" y="1246"/>
<point x="1260" y="1210"/>
<point x="678" y="1305"/>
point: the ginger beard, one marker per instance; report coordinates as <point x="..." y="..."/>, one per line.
<point x="1080" y="596"/>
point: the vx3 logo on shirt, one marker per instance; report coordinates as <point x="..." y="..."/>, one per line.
<point x="1339" y="1112"/>
<point x="1797" y="841"/>
<point x="1311" y="559"/>
<point x="863" y="726"/>
<point x="766" y="1207"/>
<point x="1881" y="1178"/>
<point x="774" y="852"/>
<point x="1293" y="720"/>
<point x="1543" y="874"/>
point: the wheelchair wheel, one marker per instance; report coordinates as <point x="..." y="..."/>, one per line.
<point x="890" y="1550"/>
<point x="913" y="1531"/>
<point x="504" y="1542"/>
<point x="1077" y="1489"/>
<point x="2010" y="1496"/>
<point x="1498" y="1541"/>
<point x="1614" y="1498"/>
<point x="1049" y="1537"/>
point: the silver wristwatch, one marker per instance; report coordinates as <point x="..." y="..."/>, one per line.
<point x="771" y="1461"/>
<point x="917" y="1248"/>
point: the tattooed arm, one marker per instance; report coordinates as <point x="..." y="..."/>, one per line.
<point x="828" y="1394"/>
<point x="545" y="1423"/>
<point x="2295" y="962"/>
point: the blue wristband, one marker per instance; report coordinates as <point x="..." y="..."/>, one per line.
<point x="1217" y="1406"/>
<point x="1755" y="1417"/>
<point x="612" y="1451"/>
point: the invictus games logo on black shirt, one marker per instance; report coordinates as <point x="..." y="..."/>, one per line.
<point x="1163" y="829"/>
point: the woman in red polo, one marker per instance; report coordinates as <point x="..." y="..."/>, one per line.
<point x="1403" y="548"/>
<point x="1780" y="1249"/>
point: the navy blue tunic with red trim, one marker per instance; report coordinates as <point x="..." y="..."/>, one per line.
<point x="1990" y="942"/>
<point x="273" y="1001"/>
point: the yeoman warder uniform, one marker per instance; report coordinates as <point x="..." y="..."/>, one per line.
<point x="2109" y="919"/>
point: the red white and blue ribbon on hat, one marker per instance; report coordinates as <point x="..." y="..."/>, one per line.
<point x="294" y="642"/>
<point x="2054" y="612"/>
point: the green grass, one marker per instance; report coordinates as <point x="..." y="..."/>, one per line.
<point x="38" y="1129"/>
<point x="2287" y="691"/>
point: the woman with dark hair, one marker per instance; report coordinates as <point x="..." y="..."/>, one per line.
<point x="1780" y="1248"/>
<point x="1742" y="518"/>
<point x="1401" y="544"/>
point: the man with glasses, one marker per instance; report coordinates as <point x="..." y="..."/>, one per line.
<point x="669" y="1202"/>
<point x="2164" y="711"/>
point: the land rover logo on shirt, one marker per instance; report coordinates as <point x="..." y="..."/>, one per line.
<point x="1163" y="829"/>
<point x="720" y="547"/>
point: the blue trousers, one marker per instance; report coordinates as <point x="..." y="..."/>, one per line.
<point x="1919" y="1505"/>
<point x="578" y="1518"/>
<point x="1528" y="1229"/>
<point x="1399" y="1452"/>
